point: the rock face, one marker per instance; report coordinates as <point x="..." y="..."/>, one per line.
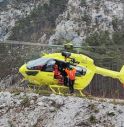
<point x="12" y="11"/>
<point x="78" y="20"/>
<point x="83" y="17"/>
<point x="31" y="110"/>
<point x="35" y="18"/>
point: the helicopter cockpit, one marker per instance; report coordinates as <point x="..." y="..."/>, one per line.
<point x="47" y="65"/>
<point x="38" y="64"/>
<point x="42" y="64"/>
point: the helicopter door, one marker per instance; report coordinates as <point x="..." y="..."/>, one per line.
<point x="47" y="73"/>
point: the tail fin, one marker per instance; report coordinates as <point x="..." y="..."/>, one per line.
<point x="121" y="76"/>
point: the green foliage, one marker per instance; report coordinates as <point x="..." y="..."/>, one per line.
<point x="118" y="34"/>
<point x="25" y="102"/>
<point x="11" y="123"/>
<point x="116" y="102"/>
<point x="118" y="38"/>
<point x="99" y="38"/>
<point x="87" y="18"/>
<point x="107" y="55"/>
<point x="83" y="3"/>
<point x="93" y="39"/>
<point x="93" y="108"/>
<point x="43" y="92"/>
<point x="92" y="119"/>
<point x="115" y="24"/>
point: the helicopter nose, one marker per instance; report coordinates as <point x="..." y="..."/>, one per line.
<point x="22" y="69"/>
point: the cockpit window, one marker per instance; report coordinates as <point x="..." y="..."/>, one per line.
<point x="49" y="65"/>
<point x="80" y="71"/>
<point x="37" y="64"/>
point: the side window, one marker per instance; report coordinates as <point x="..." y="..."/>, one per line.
<point x="80" y="71"/>
<point x="49" y="66"/>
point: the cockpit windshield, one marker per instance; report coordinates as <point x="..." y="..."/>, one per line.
<point x="34" y="64"/>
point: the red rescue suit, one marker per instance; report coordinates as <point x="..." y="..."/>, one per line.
<point x="57" y="74"/>
<point x="56" y="71"/>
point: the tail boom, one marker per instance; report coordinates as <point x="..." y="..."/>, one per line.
<point x="112" y="74"/>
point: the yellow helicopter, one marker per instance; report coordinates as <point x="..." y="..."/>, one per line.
<point x="40" y="71"/>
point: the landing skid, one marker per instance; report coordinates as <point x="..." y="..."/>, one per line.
<point x="56" y="89"/>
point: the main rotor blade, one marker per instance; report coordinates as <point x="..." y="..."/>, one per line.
<point x="115" y="46"/>
<point x="86" y="46"/>
<point x="29" y="43"/>
<point x="61" y="46"/>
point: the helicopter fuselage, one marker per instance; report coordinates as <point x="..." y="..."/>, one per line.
<point x="40" y="72"/>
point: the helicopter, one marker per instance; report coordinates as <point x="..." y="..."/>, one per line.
<point x="40" y="71"/>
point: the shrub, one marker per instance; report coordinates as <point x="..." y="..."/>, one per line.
<point x="92" y="119"/>
<point x="25" y="102"/>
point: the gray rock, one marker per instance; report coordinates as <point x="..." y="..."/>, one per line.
<point x="58" y="111"/>
<point x="80" y="20"/>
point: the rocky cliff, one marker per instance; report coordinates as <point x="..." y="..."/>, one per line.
<point x="67" y="20"/>
<point x="12" y="11"/>
<point x="33" y="110"/>
<point x="85" y="17"/>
